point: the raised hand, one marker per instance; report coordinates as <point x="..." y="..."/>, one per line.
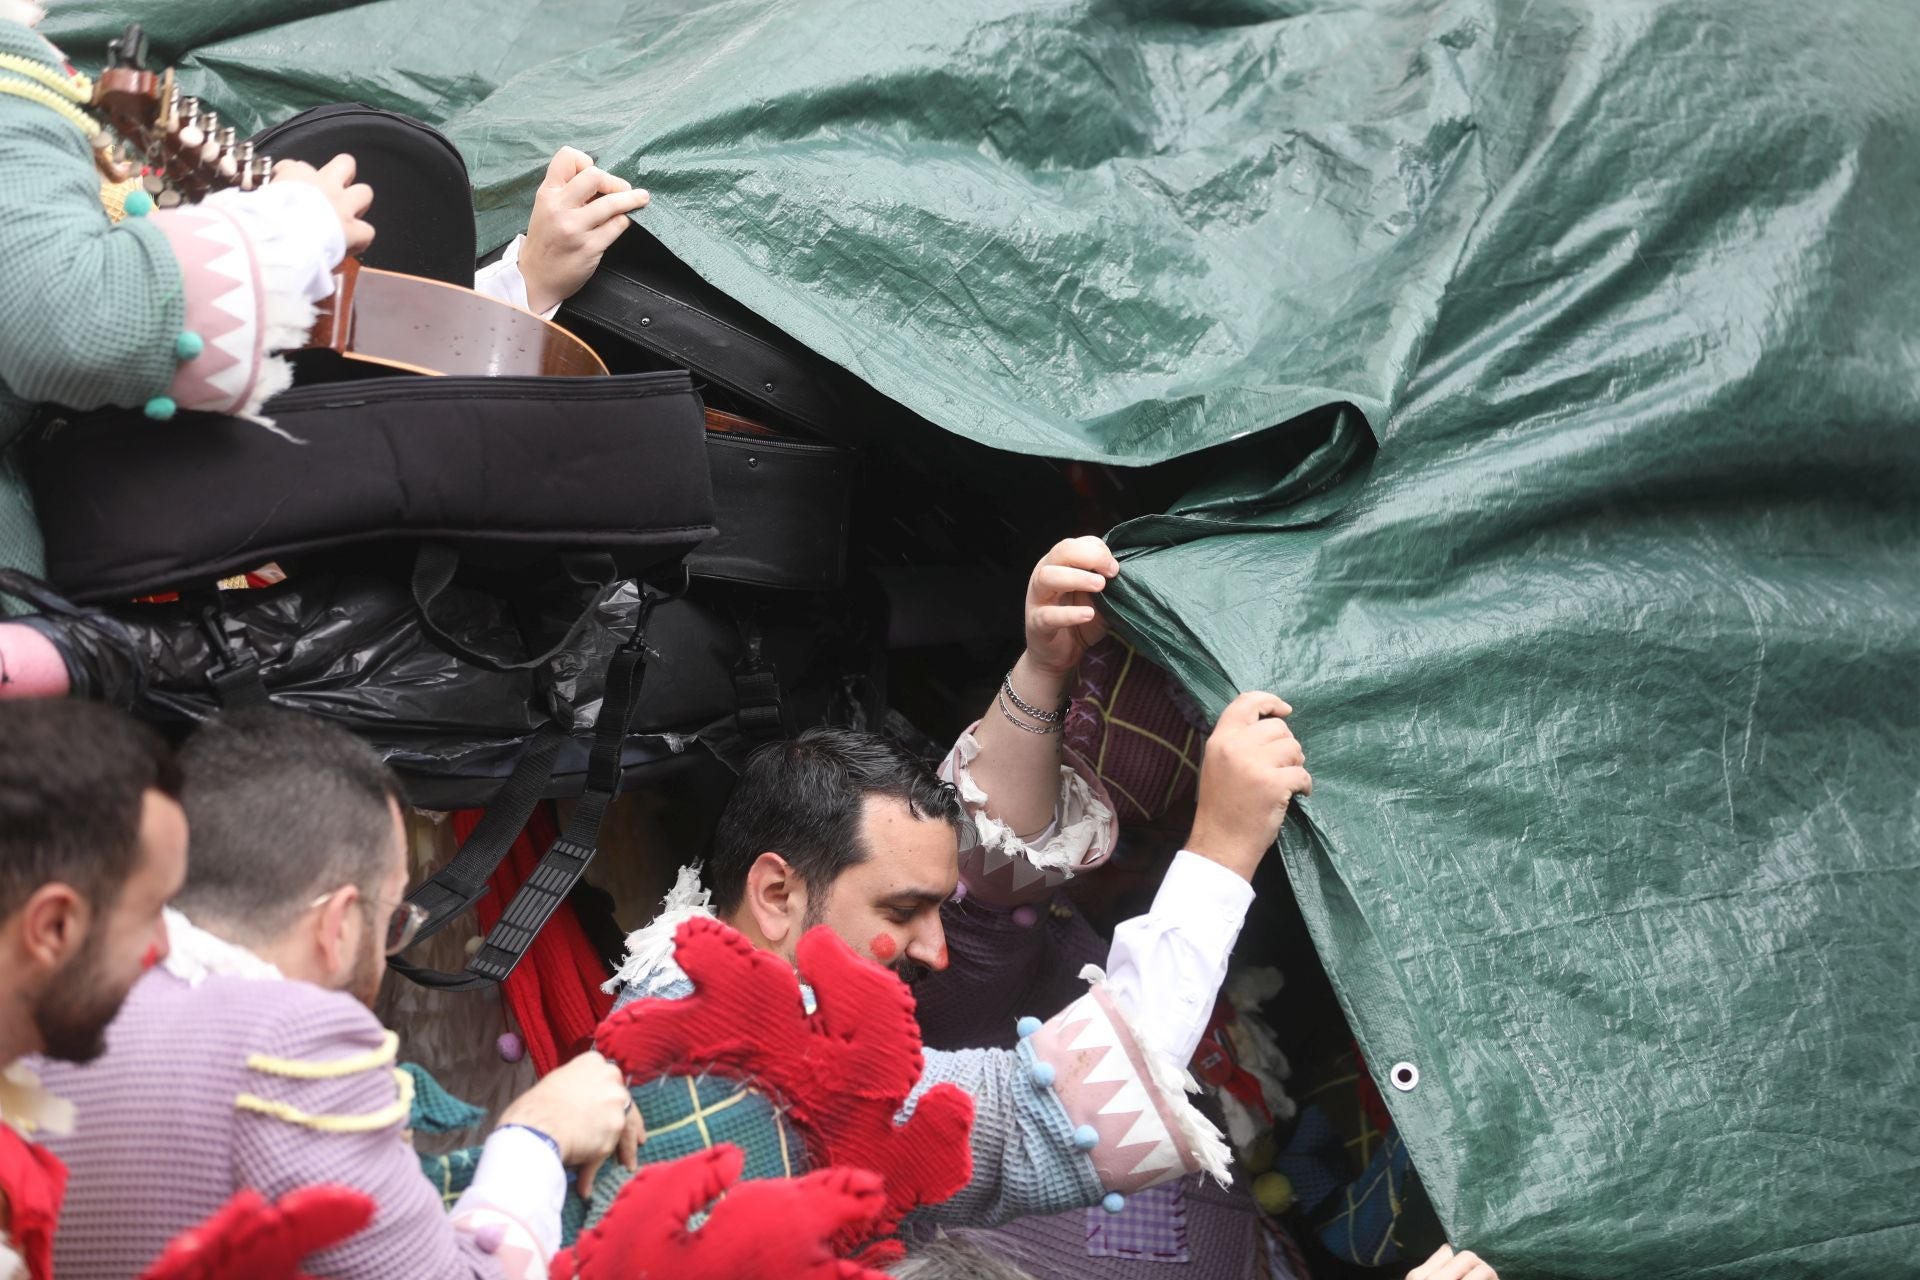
<point x="1253" y="768"/>
<point x="1062" y="623"/>
<point x="579" y="211"/>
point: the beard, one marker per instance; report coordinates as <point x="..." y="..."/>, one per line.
<point x="79" y="1002"/>
<point x="369" y="967"/>
<point x="903" y="967"/>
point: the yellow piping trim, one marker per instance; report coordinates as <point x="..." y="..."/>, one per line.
<point x="73" y="115"/>
<point x="401" y="1108"/>
<point x="74" y="88"/>
<point x="333" y="1069"/>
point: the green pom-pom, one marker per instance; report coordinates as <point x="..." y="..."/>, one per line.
<point x="1273" y="1192"/>
<point x="138" y="204"/>
<point x="188" y="345"/>
<point x="162" y="408"/>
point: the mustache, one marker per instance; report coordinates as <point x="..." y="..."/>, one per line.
<point x="911" y="972"/>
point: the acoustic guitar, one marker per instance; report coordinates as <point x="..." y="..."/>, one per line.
<point x="183" y="153"/>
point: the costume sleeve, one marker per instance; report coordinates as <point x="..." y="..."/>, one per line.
<point x="1166" y="967"/>
<point x="502" y="280"/>
<point x="1079" y="1114"/>
<point x="177" y="306"/>
<point x="325" y="1104"/>
<point x="1002" y="867"/>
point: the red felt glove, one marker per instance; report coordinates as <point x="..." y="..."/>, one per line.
<point x="769" y="1229"/>
<point x="259" y="1241"/>
<point x="32" y="1181"/>
<point x="842" y="1073"/>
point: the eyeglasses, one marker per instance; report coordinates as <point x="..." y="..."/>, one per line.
<point x="403" y="924"/>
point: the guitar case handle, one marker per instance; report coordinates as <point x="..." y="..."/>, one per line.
<point x="434" y="565"/>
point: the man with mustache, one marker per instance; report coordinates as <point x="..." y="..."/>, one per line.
<point x="851" y="831"/>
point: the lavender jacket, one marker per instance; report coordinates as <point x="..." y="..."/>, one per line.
<point x="247" y="1083"/>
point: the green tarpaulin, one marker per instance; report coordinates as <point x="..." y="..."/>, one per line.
<point x="1600" y="606"/>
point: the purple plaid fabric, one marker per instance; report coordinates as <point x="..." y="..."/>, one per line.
<point x="159" y="1144"/>
<point x="1152" y="1228"/>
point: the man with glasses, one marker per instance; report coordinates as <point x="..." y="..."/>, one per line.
<point x="250" y="1057"/>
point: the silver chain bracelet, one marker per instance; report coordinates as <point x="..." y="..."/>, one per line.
<point x="1027" y="708"/>
<point x="1021" y="725"/>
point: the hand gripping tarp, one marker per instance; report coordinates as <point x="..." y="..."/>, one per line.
<point x="1600" y="603"/>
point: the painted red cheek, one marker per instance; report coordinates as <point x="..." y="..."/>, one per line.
<point x="883" y="947"/>
<point x="151" y="958"/>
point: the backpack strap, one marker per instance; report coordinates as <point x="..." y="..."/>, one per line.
<point x="460" y="884"/>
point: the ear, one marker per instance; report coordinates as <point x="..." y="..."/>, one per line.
<point x="776" y="900"/>
<point x="53" y="925"/>
<point x="334" y="928"/>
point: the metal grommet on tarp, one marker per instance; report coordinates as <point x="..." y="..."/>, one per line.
<point x="1404" y="1076"/>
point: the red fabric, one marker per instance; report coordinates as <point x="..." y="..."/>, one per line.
<point x="768" y="1229"/>
<point x="259" y="1241"/>
<point x="1214" y="1063"/>
<point x="33" y="1181"/>
<point x="842" y="1072"/>
<point x="555" y="990"/>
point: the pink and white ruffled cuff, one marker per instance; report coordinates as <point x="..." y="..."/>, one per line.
<point x="252" y="266"/>
<point x="1128" y="1105"/>
<point x="1002" y="868"/>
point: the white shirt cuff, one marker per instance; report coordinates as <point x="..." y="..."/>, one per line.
<point x="1166" y="967"/>
<point x="296" y="236"/>
<point x="502" y="280"/>
<point x="520" y="1175"/>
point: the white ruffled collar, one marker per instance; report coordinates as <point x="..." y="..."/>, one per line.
<point x="24" y="12"/>
<point x="194" y="955"/>
<point x="650" y="947"/>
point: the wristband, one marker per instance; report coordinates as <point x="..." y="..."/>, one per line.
<point x="547" y="1138"/>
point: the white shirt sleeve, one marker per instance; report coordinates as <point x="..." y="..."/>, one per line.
<point x="1166" y="966"/>
<point x="519" y="1175"/>
<point x="502" y="280"/>
<point x="296" y="236"/>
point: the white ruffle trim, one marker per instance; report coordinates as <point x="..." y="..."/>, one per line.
<point x="650" y="947"/>
<point x="30" y="1108"/>
<point x="194" y="955"/>
<point x="288" y="321"/>
<point x="12" y="1265"/>
<point x="1081" y="819"/>
<point x="1209" y="1149"/>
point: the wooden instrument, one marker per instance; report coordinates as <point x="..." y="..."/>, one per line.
<point x="374" y="317"/>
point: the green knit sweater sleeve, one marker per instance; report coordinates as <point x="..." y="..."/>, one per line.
<point x="89" y="311"/>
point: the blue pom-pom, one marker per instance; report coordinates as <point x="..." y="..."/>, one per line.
<point x="1086" y="1137"/>
<point x="161" y="408"/>
<point x="138" y="204"/>
<point x="1027" y="1026"/>
<point x="188" y="345"/>
<point x="1114" y="1202"/>
<point x="1043" y="1074"/>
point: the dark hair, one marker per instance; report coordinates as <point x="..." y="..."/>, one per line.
<point x="281" y="807"/>
<point x="802" y="799"/>
<point x="73" y="780"/>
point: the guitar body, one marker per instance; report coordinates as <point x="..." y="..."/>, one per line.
<point x="430" y="327"/>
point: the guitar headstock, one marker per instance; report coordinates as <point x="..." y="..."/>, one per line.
<point x="180" y="148"/>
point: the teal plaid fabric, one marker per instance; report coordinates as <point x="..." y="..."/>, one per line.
<point x="685" y="1114"/>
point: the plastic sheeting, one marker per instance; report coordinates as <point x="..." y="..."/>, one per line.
<point x="1600" y="604"/>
